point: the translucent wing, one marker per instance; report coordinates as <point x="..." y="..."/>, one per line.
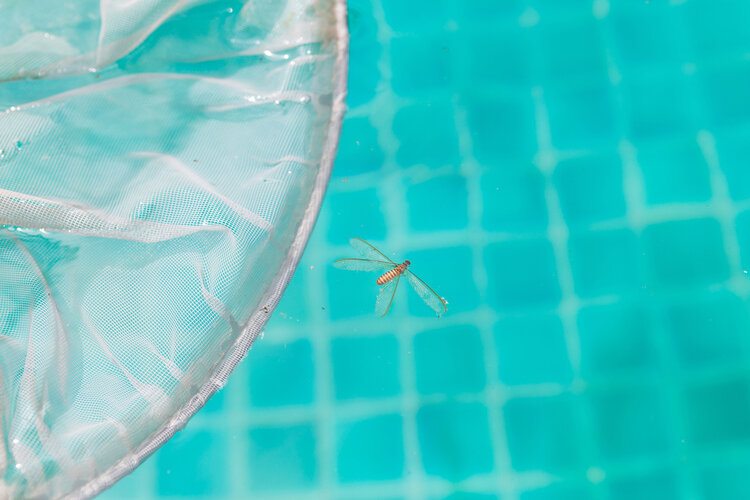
<point x="430" y="296"/>
<point x="363" y="265"/>
<point x="368" y="250"/>
<point x="385" y="297"/>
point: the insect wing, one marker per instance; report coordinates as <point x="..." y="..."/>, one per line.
<point x="427" y="294"/>
<point x="367" y="250"/>
<point x="366" y="265"/>
<point x="385" y="297"/>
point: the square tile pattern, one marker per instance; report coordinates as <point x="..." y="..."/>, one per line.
<point x="574" y="176"/>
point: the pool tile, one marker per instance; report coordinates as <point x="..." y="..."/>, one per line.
<point x="725" y="96"/>
<point x="490" y="12"/>
<point x="365" y="49"/>
<point x="725" y="481"/>
<point x="717" y="28"/>
<point x="427" y="135"/>
<point x="371" y="449"/>
<point x="365" y="367"/>
<point x="684" y="253"/>
<point x="657" y="108"/>
<point x="532" y="350"/>
<point x="631" y="423"/>
<point x="369" y="218"/>
<point x="734" y="160"/>
<point x="535" y="442"/>
<point x="605" y="262"/>
<point x="415" y="16"/>
<point x="522" y="275"/>
<point x="440" y="203"/>
<point x="501" y="128"/>
<point x="514" y="199"/>
<point x="667" y="184"/>
<point x="616" y="339"/>
<point x="450" y="272"/>
<point x="709" y="331"/>
<point x="659" y="484"/>
<point x="560" y="491"/>
<point x="550" y="10"/>
<point x="282" y="457"/>
<point x="421" y="64"/>
<point x="580" y="203"/>
<point x="570" y="49"/>
<point x="656" y="43"/>
<point x="359" y="151"/>
<point x="583" y="117"/>
<point x="281" y="374"/>
<point x="193" y="463"/>
<point x="455" y="440"/>
<point x="718" y="412"/>
<point x="449" y="361"/>
<point x="508" y="51"/>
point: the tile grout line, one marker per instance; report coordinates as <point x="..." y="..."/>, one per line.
<point x="557" y="235"/>
<point x="494" y="391"/>
<point x="724" y="211"/>
<point x="724" y="208"/>
<point x="639" y="216"/>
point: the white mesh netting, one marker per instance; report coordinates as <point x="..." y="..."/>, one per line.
<point x="161" y="165"/>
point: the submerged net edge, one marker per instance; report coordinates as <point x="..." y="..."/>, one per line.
<point x="273" y="292"/>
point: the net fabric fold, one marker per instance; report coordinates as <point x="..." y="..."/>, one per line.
<point x="161" y="166"/>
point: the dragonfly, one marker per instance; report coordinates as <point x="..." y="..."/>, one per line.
<point x="391" y="273"/>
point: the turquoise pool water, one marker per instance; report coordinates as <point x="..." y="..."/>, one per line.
<point x="573" y="177"/>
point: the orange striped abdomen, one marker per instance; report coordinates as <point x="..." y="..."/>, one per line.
<point x="390" y="275"/>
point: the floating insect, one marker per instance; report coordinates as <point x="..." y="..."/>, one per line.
<point x="375" y="260"/>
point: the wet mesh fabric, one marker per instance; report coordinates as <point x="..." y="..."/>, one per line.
<point x="161" y="165"/>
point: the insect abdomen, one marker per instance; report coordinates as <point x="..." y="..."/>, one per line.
<point x="386" y="277"/>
